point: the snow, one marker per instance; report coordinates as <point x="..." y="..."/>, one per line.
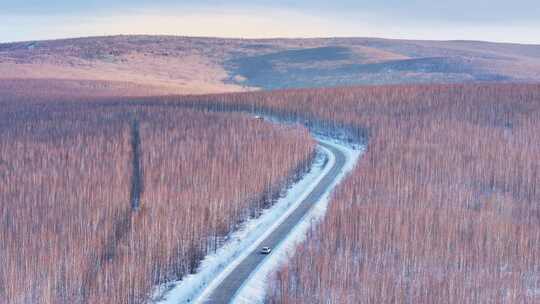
<point x="215" y="267"/>
<point x="194" y="288"/>
<point x="254" y="289"/>
<point x="338" y="136"/>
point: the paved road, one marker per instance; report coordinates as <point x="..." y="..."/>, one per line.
<point x="226" y="291"/>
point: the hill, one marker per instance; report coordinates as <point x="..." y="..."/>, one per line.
<point x="182" y="65"/>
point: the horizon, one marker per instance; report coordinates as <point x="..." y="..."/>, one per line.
<point x="264" y="38"/>
<point x="482" y="20"/>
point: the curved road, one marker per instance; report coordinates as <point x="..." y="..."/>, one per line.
<point x="225" y="292"/>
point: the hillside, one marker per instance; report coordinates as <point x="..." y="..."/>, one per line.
<point x="111" y="189"/>
<point x="181" y="65"/>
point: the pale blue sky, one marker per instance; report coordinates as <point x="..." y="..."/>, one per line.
<point x="495" y="20"/>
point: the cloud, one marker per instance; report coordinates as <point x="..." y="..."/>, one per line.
<point x="477" y="11"/>
<point x="256" y="22"/>
<point x="233" y="23"/>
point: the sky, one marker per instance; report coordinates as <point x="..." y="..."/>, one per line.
<point x="488" y="20"/>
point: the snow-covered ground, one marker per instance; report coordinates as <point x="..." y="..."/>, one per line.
<point x="215" y="267"/>
<point x="254" y="289"/>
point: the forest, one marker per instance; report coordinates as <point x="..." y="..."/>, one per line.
<point x="442" y="208"/>
<point x="100" y="204"/>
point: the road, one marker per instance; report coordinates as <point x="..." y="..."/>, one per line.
<point x="224" y="293"/>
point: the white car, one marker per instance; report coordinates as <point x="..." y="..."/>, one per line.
<point x="266" y="250"/>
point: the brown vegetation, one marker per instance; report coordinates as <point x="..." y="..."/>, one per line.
<point x="442" y="208"/>
<point x="160" y="64"/>
<point x="190" y="65"/>
<point x="67" y="231"/>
